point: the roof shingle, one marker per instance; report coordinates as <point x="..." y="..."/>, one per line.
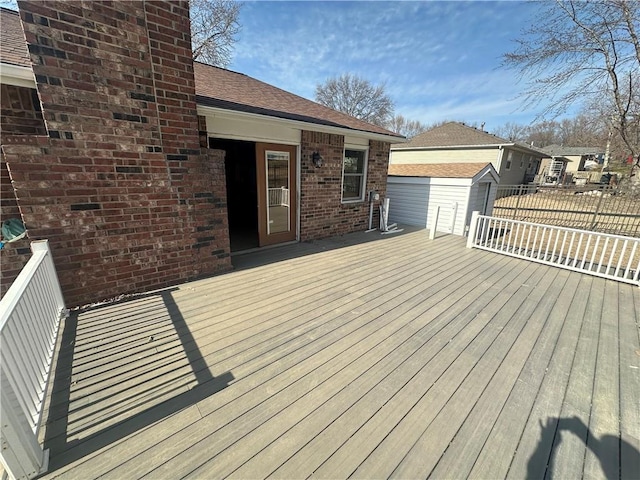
<point x="437" y="170"/>
<point x="13" y="47"/>
<point x="559" y="150"/>
<point x="455" y="134"/>
<point x="217" y="87"/>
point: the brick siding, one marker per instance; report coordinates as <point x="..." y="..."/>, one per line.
<point x="120" y="186"/>
<point x="322" y="213"/>
<point x="19" y="115"/>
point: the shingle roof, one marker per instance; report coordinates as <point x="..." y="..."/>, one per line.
<point x="217" y="87"/>
<point x="437" y="170"/>
<point x="13" y="48"/>
<point x="559" y="150"/>
<point x="455" y="134"/>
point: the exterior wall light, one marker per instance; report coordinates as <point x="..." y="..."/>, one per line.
<point x="316" y="159"/>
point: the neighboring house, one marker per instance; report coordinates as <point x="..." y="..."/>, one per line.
<point x="415" y="190"/>
<point x="552" y="170"/>
<point x="577" y="158"/>
<point x="144" y="169"/>
<point x="455" y="142"/>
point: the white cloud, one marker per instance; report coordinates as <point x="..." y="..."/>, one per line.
<point x="438" y="59"/>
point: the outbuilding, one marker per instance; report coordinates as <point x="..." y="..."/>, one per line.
<point x="416" y="190"/>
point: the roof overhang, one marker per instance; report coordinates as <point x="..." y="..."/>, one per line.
<point x="297" y="123"/>
<point x="16" y="75"/>
<point x="487" y="171"/>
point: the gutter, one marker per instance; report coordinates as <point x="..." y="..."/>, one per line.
<point x="17" y="75"/>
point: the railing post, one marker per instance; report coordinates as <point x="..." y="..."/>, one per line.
<point x="454" y="213"/>
<point x="434" y="224"/>
<point x="52" y="277"/>
<point x="471" y="239"/>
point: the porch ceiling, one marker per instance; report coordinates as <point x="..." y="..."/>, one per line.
<point x="397" y="357"/>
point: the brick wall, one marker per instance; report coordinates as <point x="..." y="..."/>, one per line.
<point x="322" y="213"/>
<point x="120" y="187"/>
<point x="19" y="115"/>
<point x="20" y="112"/>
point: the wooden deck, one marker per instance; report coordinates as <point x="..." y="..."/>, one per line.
<point x="399" y="357"/>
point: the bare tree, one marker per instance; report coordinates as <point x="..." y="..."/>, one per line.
<point x="404" y="126"/>
<point x="357" y="97"/>
<point x="214" y="24"/>
<point x="581" y="50"/>
<point x="512" y="131"/>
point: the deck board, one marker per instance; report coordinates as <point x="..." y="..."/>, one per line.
<point x="337" y="420"/>
<point x="498" y="449"/>
<point x="364" y="356"/>
<point x="567" y="460"/>
<point x="541" y="330"/>
<point x="629" y="384"/>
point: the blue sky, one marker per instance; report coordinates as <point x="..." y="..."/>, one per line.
<point x="439" y="60"/>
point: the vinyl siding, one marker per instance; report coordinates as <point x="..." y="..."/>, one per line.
<point x="446" y="156"/>
<point x="477" y="197"/>
<point x="452" y="200"/>
<point x="414" y="203"/>
<point x="408" y="203"/>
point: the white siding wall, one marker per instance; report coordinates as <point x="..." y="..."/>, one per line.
<point x="478" y="198"/>
<point x="408" y="203"/>
<point x="413" y="202"/>
<point x="447" y="156"/>
<point x="446" y="196"/>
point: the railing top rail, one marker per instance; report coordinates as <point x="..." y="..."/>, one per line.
<point x="13" y="295"/>
<point x="556" y="227"/>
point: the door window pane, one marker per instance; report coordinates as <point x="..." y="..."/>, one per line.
<point x="278" y="200"/>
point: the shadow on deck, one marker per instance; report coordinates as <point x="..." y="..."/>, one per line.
<point x="126" y="372"/>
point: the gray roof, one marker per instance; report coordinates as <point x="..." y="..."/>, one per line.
<point x="562" y="151"/>
<point x="455" y="134"/>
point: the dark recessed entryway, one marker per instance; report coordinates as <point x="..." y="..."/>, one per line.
<point x="242" y="194"/>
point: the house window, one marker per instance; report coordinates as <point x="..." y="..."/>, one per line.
<point x="509" y="160"/>
<point x="353" y="175"/>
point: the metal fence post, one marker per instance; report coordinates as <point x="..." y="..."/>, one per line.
<point x="595" y="214"/>
<point x="515" y="212"/>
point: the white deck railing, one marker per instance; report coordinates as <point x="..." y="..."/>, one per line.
<point x="30" y="314"/>
<point x="605" y="255"/>
<point x="279" y="197"/>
